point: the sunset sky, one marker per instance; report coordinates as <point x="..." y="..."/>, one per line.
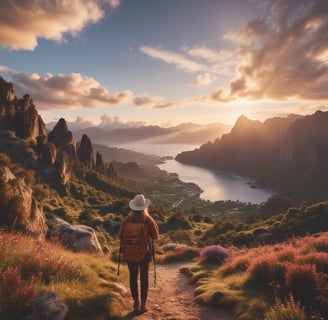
<point x="166" y="62"/>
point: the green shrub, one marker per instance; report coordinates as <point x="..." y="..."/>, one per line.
<point x="237" y="265"/>
<point x="178" y="221"/>
<point x="197" y="217"/>
<point x="182" y="253"/>
<point x="208" y="219"/>
<point x="243" y="239"/>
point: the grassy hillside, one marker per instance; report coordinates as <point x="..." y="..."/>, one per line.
<point x="273" y="282"/>
<point x="87" y="283"/>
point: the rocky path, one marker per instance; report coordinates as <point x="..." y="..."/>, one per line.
<point x="172" y="299"/>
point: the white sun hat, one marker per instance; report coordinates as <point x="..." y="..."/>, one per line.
<point x="139" y="203"/>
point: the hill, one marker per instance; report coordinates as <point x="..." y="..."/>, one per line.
<point x="68" y="197"/>
<point x="286" y="154"/>
<point x="187" y="133"/>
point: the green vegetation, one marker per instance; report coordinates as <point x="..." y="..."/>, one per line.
<point x="301" y="221"/>
<point x="260" y="276"/>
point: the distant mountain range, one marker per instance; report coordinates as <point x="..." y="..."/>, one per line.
<point x="287" y="154"/>
<point x="188" y="133"/>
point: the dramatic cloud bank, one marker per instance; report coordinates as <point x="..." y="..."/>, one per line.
<point x="23" y="22"/>
<point x="279" y="57"/>
<point x="67" y="91"/>
<point x="284" y="56"/>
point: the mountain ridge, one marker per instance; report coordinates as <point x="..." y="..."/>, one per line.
<point x="189" y="133"/>
<point x="276" y="152"/>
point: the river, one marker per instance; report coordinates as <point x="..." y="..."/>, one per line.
<point x="217" y="185"/>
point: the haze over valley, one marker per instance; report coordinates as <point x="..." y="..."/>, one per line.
<point x="188" y="133"/>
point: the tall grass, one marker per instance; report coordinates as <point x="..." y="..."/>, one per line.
<point x="294" y="271"/>
<point x="290" y="310"/>
<point x="180" y="253"/>
<point x="29" y="267"/>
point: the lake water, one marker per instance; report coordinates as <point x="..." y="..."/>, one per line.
<point x="217" y="185"/>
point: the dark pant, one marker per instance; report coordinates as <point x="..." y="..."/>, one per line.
<point x="134" y="269"/>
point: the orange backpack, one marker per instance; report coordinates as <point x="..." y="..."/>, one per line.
<point x="134" y="240"/>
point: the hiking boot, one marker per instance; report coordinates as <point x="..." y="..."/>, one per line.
<point x="143" y="309"/>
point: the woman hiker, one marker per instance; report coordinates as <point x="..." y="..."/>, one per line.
<point x="137" y="232"/>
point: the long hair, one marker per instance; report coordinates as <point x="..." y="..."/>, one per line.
<point x="138" y="214"/>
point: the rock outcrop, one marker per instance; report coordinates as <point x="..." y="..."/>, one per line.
<point x="19" y="209"/>
<point x="47" y="152"/>
<point x="47" y="306"/>
<point x="19" y="115"/>
<point x="306" y="142"/>
<point x="74" y="237"/>
<point x="62" y="138"/>
<point x="84" y="152"/>
<point x="100" y="163"/>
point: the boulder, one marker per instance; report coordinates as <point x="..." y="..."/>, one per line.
<point x="47" y="306"/>
<point x="20" y="210"/>
<point x="62" y="170"/>
<point x="75" y="237"/>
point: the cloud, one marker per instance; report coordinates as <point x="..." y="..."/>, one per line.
<point x="147" y="101"/>
<point x="4" y="69"/>
<point x="78" y="123"/>
<point x="115" y="123"/>
<point x="282" y="57"/>
<point x="180" y="61"/>
<point x="67" y="91"/>
<point x="23" y="22"/>
<point x="211" y="63"/>
<point x="208" y="54"/>
<point x="203" y="79"/>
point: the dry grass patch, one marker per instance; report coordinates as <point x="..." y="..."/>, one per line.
<point x="86" y="283"/>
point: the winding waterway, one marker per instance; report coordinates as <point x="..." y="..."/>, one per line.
<point x="216" y="185"/>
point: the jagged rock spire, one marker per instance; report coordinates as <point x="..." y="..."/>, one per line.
<point x="62" y="138"/>
<point x="19" y="115"/>
<point x="85" y="151"/>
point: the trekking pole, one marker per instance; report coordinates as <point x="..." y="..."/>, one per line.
<point x="119" y="259"/>
<point x="154" y="261"/>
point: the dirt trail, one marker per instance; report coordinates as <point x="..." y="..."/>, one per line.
<point x="172" y="299"/>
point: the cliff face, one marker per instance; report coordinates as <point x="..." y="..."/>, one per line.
<point x="250" y="147"/>
<point x="306" y="142"/>
<point x="19" y="209"/>
<point x="277" y="152"/>
<point x="19" y="115"/>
